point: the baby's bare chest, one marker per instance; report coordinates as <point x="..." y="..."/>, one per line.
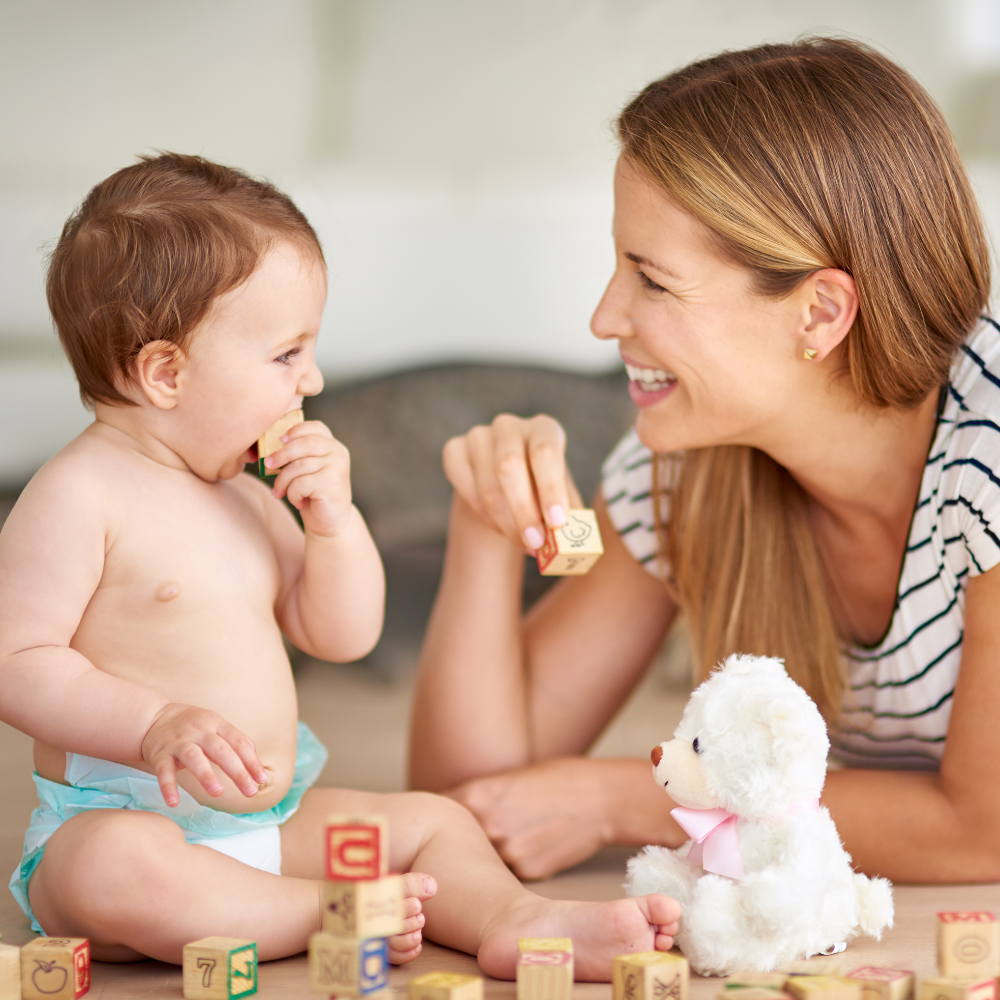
<point x="187" y="552"/>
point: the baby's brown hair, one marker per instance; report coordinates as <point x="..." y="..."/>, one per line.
<point x="147" y="252"/>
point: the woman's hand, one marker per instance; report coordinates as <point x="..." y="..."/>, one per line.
<point x="513" y="474"/>
<point x="195" y="738"/>
<point x="315" y="476"/>
<point x="544" y="817"/>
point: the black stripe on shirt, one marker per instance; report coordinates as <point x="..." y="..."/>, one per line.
<point x="879" y="685"/>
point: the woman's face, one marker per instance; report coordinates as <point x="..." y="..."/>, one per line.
<point x="710" y="362"/>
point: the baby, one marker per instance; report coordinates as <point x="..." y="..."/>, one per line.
<point x="145" y="583"/>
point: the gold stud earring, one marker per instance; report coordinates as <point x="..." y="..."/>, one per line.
<point x="809" y="353"/>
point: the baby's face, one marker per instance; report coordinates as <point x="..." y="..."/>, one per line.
<point x="249" y="362"/>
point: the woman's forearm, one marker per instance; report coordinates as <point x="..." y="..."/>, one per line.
<point x="469" y="709"/>
<point x="913" y="826"/>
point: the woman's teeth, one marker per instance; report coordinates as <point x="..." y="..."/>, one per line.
<point x="650" y="379"/>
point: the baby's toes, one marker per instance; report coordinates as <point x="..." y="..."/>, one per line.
<point x="404" y="948"/>
<point x="663" y="942"/>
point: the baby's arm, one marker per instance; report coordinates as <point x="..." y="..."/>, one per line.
<point x="52" y="552"/>
<point x="333" y="592"/>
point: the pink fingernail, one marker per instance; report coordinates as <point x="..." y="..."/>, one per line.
<point x="557" y="516"/>
<point x="533" y="538"/>
<point x="430" y="886"/>
<point x="268" y="462"/>
<point x="284" y="437"/>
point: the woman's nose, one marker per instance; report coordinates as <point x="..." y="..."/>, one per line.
<point x="656" y="755"/>
<point x="610" y="319"/>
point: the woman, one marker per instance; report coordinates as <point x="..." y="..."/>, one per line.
<point x="800" y="283"/>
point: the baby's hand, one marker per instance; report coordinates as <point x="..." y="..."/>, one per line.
<point x="192" y="737"/>
<point x="405" y="947"/>
<point x="315" y="476"/>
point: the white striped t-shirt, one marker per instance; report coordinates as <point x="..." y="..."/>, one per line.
<point x="897" y="707"/>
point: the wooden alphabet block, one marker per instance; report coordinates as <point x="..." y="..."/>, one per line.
<point x="823" y="988"/>
<point x="544" y="975"/>
<point x="968" y="945"/>
<point x="752" y="993"/>
<point x="884" y="984"/>
<point x="572" y="549"/>
<point x="813" y="967"/>
<point x="446" y="986"/>
<point x="764" y="980"/>
<point x="220" y="968"/>
<point x="55" y="968"/>
<point x="958" y="989"/>
<point x="270" y="441"/>
<point x="356" y="847"/>
<point x="371" y="908"/>
<point x="10" y="972"/>
<point x="650" y="975"/>
<point x="347" y="966"/>
<point x="545" y="944"/>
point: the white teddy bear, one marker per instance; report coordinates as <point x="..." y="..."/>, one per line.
<point x="765" y="880"/>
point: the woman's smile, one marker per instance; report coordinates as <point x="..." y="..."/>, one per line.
<point x="647" y="386"/>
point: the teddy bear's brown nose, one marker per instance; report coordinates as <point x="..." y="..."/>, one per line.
<point x="656" y="754"/>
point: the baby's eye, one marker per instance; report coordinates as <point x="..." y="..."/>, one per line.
<point x="697" y="749"/>
<point x="648" y="282"/>
<point x="288" y="355"/>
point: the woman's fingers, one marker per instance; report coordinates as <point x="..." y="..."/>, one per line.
<point x="492" y="505"/>
<point x="546" y="447"/>
<point x="514" y="477"/>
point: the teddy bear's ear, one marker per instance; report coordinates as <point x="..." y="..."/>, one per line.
<point x="784" y="717"/>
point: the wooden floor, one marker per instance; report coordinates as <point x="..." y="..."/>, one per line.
<point x="363" y="724"/>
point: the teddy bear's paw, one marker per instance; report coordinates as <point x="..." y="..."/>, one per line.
<point x="834" y="949"/>
<point x="875" y="907"/>
<point x="660" y="870"/>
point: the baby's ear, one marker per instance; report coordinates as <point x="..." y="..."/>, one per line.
<point x="156" y="370"/>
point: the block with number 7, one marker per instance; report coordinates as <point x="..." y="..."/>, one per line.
<point x="220" y="968"/>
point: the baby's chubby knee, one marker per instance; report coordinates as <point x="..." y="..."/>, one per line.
<point x="97" y="861"/>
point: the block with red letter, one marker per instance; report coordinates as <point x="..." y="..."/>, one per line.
<point x="55" y="968"/>
<point x="370" y="908"/>
<point x="544" y="975"/>
<point x="356" y="848"/>
<point x="10" y="972"/>
<point x="572" y="549"/>
<point x="649" y="975"/>
<point x="968" y="945"/>
<point x="958" y="989"/>
<point x="884" y="984"/>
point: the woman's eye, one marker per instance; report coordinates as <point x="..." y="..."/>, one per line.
<point x="697" y="749"/>
<point x="648" y="282"/>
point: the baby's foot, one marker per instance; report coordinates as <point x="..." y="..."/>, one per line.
<point x="600" y="931"/>
<point x="405" y="946"/>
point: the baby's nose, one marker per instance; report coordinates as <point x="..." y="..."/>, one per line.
<point x="656" y="754"/>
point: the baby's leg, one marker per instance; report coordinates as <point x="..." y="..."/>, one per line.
<point x="131" y="883"/>
<point x="480" y="907"/>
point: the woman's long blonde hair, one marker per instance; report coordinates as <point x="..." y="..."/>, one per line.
<point x="817" y="154"/>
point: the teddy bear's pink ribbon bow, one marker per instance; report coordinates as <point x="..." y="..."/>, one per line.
<point x="716" y="846"/>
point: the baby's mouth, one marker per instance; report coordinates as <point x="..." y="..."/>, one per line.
<point x="650" y="379"/>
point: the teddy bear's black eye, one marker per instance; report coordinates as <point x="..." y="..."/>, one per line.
<point x="697" y="749"/>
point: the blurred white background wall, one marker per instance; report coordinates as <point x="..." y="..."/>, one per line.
<point x="454" y="155"/>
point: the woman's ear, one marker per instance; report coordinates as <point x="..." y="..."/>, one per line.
<point x="157" y="370"/>
<point x="829" y="306"/>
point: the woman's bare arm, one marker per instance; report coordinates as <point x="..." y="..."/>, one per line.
<point x="926" y="827"/>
